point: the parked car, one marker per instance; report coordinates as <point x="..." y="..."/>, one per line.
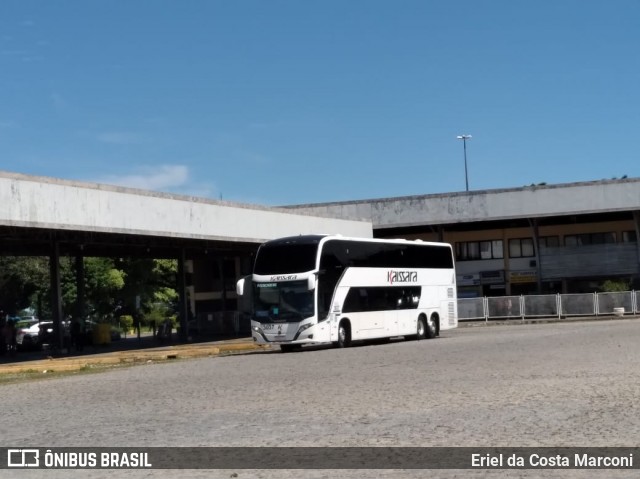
<point x="46" y="333"/>
<point x="27" y="333"/>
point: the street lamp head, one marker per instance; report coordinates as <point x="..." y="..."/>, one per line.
<point x="464" y="137"/>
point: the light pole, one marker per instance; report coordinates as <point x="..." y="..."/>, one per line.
<point x="464" y="139"/>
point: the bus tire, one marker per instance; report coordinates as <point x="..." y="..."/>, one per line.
<point x="432" y="327"/>
<point x="422" y="329"/>
<point x="344" y="335"/>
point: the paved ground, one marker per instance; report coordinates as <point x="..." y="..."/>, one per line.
<point x="564" y="384"/>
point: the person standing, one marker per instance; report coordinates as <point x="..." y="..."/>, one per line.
<point x="11" y="337"/>
<point x="3" y="326"/>
<point x="77" y="334"/>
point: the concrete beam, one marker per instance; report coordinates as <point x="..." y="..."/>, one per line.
<point x="490" y="205"/>
<point x="40" y="202"/>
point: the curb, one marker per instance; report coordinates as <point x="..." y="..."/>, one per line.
<point x="77" y="363"/>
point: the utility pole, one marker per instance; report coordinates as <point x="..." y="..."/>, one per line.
<point x="464" y="139"/>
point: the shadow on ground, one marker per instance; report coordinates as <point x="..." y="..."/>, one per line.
<point x="146" y="341"/>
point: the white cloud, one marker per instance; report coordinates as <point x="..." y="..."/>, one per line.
<point x="152" y="178"/>
<point x="167" y="178"/>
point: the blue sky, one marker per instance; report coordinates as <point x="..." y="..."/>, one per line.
<point x="289" y="102"/>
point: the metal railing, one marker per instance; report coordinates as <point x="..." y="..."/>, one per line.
<point x="549" y="306"/>
<point x="471" y="309"/>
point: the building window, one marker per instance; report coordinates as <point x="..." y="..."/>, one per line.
<point x="497" y="249"/>
<point x="629" y="237"/>
<point x="475" y="250"/>
<point x="485" y="249"/>
<point x="521" y="248"/>
<point x="589" y="238"/>
<point x="571" y="240"/>
<point x="549" y="241"/>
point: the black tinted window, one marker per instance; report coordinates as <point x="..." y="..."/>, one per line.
<point x="386" y="255"/>
<point x="381" y="298"/>
<point x="285" y="258"/>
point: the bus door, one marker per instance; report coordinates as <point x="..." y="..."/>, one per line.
<point x="407" y="302"/>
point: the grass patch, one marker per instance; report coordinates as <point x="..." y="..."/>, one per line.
<point x="33" y="375"/>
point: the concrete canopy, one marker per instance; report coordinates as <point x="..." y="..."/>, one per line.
<point x="44" y="205"/>
<point x="535" y="201"/>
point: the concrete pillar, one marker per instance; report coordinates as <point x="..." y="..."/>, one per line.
<point x="636" y="221"/>
<point x="536" y="249"/>
<point x="80" y="301"/>
<point x="182" y="295"/>
<point x="56" y="293"/>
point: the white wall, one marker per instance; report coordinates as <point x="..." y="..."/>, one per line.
<point x="29" y="201"/>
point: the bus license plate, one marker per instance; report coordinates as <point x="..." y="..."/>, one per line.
<point x="273" y="326"/>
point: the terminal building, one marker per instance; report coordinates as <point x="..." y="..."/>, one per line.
<point x="566" y="238"/>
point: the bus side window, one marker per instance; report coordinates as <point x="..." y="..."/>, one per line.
<point x="401" y="302"/>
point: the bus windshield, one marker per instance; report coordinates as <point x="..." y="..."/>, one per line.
<point x="289" y="301"/>
<point x="286" y="258"/>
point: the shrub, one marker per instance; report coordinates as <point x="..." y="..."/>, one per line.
<point x="126" y="323"/>
<point x="613" y="286"/>
<point x="154" y="315"/>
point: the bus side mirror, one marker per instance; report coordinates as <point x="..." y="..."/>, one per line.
<point x="240" y="286"/>
<point x="311" y="282"/>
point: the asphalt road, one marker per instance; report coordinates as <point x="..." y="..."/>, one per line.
<point x="565" y="384"/>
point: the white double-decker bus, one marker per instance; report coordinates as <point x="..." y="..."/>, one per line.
<point x="318" y="289"/>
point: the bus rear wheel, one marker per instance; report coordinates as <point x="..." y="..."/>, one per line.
<point x="422" y="329"/>
<point x="432" y="328"/>
<point x="344" y="335"/>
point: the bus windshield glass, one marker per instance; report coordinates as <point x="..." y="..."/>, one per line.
<point x="289" y="301"/>
<point x="286" y="258"/>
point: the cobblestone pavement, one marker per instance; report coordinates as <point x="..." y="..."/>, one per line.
<point x="566" y="384"/>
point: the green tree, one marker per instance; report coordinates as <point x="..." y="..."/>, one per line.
<point x="151" y="280"/>
<point x="111" y="285"/>
<point x="24" y="282"/>
<point x="103" y="281"/>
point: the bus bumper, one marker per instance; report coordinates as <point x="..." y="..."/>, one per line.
<point x="316" y="334"/>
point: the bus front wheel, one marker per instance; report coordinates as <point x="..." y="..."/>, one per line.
<point x="344" y="335"/>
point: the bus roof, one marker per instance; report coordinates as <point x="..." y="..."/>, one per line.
<point x="315" y="239"/>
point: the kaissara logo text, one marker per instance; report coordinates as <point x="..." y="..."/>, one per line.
<point x="402" y="277"/>
<point x="284" y="277"/>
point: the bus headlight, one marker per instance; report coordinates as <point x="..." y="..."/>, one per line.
<point x="303" y="328"/>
